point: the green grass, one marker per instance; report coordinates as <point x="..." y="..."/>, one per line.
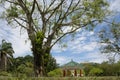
<point x="60" y="78"/>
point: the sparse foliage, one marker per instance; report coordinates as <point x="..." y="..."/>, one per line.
<point x="110" y="40"/>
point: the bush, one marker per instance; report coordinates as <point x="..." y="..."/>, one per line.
<point x="4" y="73"/>
<point x="55" y="73"/>
<point x="95" y="72"/>
<point x="22" y="69"/>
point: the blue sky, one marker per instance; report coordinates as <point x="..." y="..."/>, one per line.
<point x="83" y="48"/>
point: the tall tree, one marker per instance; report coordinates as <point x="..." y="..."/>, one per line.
<point x="6" y="53"/>
<point x="48" y="21"/>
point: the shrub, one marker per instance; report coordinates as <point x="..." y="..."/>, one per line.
<point x="95" y="72"/>
<point x="55" y="73"/>
<point x="4" y="73"/>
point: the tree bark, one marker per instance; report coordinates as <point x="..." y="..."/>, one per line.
<point x="40" y="56"/>
<point x="40" y="62"/>
<point x="3" y="63"/>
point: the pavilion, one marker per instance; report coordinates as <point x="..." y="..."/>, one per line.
<point x="72" y="68"/>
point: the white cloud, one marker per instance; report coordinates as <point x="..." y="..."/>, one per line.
<point x="18" y="41"/>
<point x="83" y="43"/>
<point x="57" y="49"/>
<point x="61" y="60"/>
<point x="20" y="46"/>
<point x="95" y="56"/>
<point x="83" y="48"/>
<point x="115" y="5"/>
<point x="90" y="46"/>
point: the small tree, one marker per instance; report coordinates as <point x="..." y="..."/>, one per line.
<point x="6" y="53"/>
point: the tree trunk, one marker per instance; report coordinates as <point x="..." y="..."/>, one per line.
<point x="3" y="63"/>
<point x="40" y="53"/>
<point x="41" y="58"/>
<point x="40" y="63"/>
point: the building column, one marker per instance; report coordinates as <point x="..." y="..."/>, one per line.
<point x="80" y="72"/>
<point x="64" y="73"/>
<point x="75" y="72"/>
<point x="67" y="73"/>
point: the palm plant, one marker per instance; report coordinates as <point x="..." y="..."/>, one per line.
<point x="6" y="54"/>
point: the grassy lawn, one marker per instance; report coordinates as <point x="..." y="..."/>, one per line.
<point x="61" y="78"/>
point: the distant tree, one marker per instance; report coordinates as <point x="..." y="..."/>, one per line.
<point x="48" y="21"/>
<point x="55" y="73"/>
<point x="118" y="68"/>
<point x="87" y="68"/>
<point x="110" y="69"/>
<point x="52" y="64"/>
<point x="25" y="69"/>
<point x="28" y="58"/>
<point x="24" y="65"/>
<point x="6" y="53"/>
<point x="95" y="72"/>
<point x="103" y="69"/>
<point x="26" y="61"/>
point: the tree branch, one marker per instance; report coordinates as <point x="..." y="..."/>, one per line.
<point x="54" y="10"/>
<point x="61" y="19"/>
<point x="74" y="8"/>
<point x="22" y="19"/>
<point x="12" y="2"/>
<point x="67" y="12"/>
<point x="47" y="10"/>
<point x="39" y="9"/>
<point x="111" y="23"/>
<point x="23" y="6"/>
<point x="71" y="32"/>
<point x="20" y="23"/>
<point x="44" y="5"/>
<point x="55" y="28"/>
<point x="33" y="7"/>
<point x="68" y="9"/>
<point x="64" y="35"/>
